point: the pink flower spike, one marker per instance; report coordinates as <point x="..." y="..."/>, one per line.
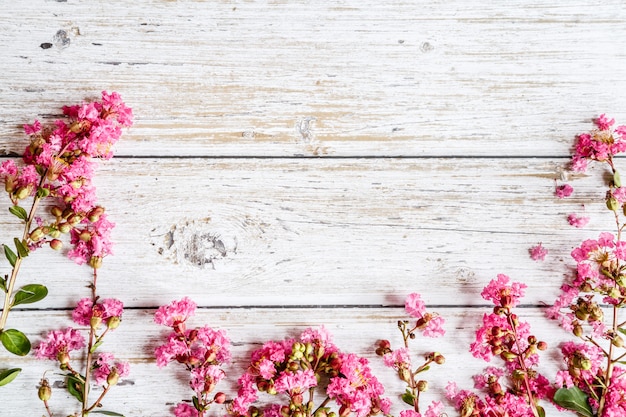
<point x="32" y="129"/>
<point x="563" y="191"/>
<point x="576" y="221"/>
<point x="538" y="252"/>
<point x="176" y="312"/>
<point x="603" y="122"/>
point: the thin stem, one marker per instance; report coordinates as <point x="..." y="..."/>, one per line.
<point x="609" y="367"/>
<point x="97" y="402"/>
<point x="18" y="262"/>
<point x="89" y="360"/>
<point x="520" y="359"/>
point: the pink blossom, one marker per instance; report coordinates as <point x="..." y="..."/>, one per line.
<point x="356" y="388"/>
<point x="295" y="382"/>
<point x="104" y="309"/>
<point x="185" y="410"/>
<point x="59" y="342"/>
<point x="415" y="306"/>
<point x="246" y="394"/>
<point x="603" y="122"/>
<point x="538" y="252"/>
<point x="104" y="365"/>
<point x="175" y="312"/>
<point x="563" y="191"/>
<point x="577" y="221"/>
<point x="501" y="294"/>
<point x="33" y="129"/>
<point x="205" y="378"/>
<point x="434" y="328"/>
<point x="399" y="358"/>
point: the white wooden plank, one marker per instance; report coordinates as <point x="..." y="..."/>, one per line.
<point x="321" y="78"/>
<point x="151" y="391"/>
<point x="327" y="232"/>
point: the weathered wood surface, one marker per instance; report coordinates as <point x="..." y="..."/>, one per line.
<point x="321" y="78"/>
<point x="326" y="232"/>
<point x="303" y="163"/>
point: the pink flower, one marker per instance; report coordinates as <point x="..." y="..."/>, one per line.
<point x="563" y="191"/>
<point x="176" y="312"/>
<point x="538" y="252"/>
<point x="415" y="306"/>
<point x="59" y="342"/>
<point x="104" y="309"/>
<point x="104" y="367"/>
<point x="185" y="410"/>
<point x="501" y="294"/>
<point x="603" y="122"/>
<point x="33" y="129"/>
<point x="295" y="382"/>
<point x="577" y="221"/>
<point x="205" y="378"/>
<point x="399" y="358"/>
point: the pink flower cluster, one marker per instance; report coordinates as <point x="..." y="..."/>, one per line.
<point x="58" y="344"/>
<point x="430" y="324"/>
<point x="291" y="367"/>
<point x="202" y="350"/>
<point x="600" y="144"/>
<point x="59" y="163"/>
<point x="502" y="334"/>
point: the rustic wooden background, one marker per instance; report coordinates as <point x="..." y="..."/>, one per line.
<point x="296" y="163"/>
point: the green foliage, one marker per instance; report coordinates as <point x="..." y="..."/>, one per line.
<point x="574" y="399"/>
<point x="18" y="212"/>
<point x="30" y="293"/>
<point x="11" y="256"/>
<point x="76" y="387"/>
<point x="15" y="342"/>
<point x="8" y="375"/>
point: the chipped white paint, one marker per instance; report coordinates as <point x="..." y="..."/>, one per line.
<point x="253" y="238"/>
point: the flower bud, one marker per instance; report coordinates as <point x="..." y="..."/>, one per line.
<point x="44" y="392"/>
<point x="404" y="374"/>
<point x="612" y="204"/>
<point x="64" y="227"/>
<point x="578" y="330"/>
<point x="37" y="234"/>
<point x="508" y="356"/>
<point x="95" y="213"/>
<point x="85" y="236"/>
<point x="113" y="377"/>
<point x="617" y="341"/>
<point x="219" y="398"/>
<point x="439" y="359"/>
<point x="63" y="358"/>
<point x="542" y="345"/>
<point x="22" y="193"/>
<point x="113" y="322"/>
<point x="56" y="244"/>
<point x="95" y="262"/>
<point x="422" y="386"/>
<point x="56" y="211"/>
<point x="95" y="322"/>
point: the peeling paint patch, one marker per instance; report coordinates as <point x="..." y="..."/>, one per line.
<point x="197" y="244"/>
<point x="305" y="135"/>
<point x="61" y="39"/>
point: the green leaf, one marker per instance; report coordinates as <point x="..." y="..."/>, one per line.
<point x="75" y="387"/>
<point x="541" y="411"/>
<point x="96" y="345"/>
<point x="11" y="256"/>
<point x="3" y="284"/>
<point x="30" y="293"/>
<point x="617" y="181"/>
<point x="573" y="399"/>
<point x="107" y="413"/>
<point x="18" y="212"/>
<point x="408" y="398"/>
<point x="22" y="249"/>
<point x="42" y="192"/>
<point x="196" y="403"/>
<point x="15" y="342"/>
<point x="8" y="375"/>
<point x="623" y="331"/>
<point x="426" y="368"/>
